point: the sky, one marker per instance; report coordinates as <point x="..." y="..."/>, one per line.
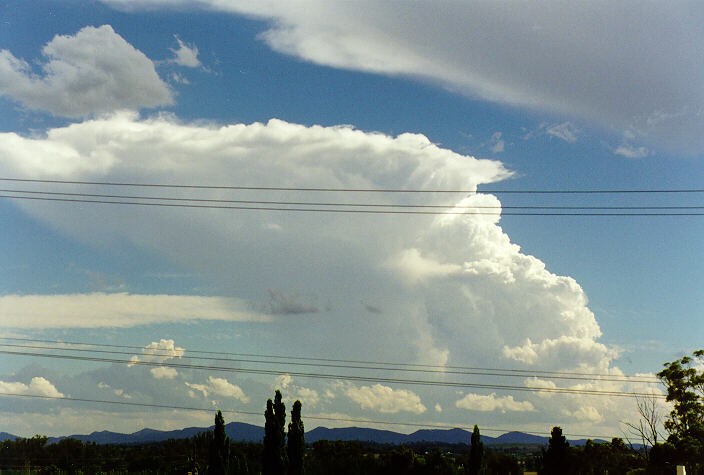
<point x="464" y="96"/>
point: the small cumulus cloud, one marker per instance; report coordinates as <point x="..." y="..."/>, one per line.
<point x="164" y="373"/>
<point x="185" y="55"/>
<point x="38" y="386"/>
<point x="588" y="414"/>
<point x="178" y="78"/>
<point x="219" y="387"/>
<point x="631" y="151"/>
<point x="478" y="402"/>
<point x="283" y="381"/>
<point x="385" y="399"/>
<point x="94" y="71"/>
<point x="159" y="352"/>
<point x="497" y="144"/>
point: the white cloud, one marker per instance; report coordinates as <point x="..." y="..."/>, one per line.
<point x="478" y="402"/>
<point x="164" y="373"/>
<point x="497" y="143"/>
<point x="163" y="350"/>
<point x="219" y="387"/>
<point x="564" y="131"/>
<point x="567" y="350"/>
<point x="186" y="55"/>
<point x="600" y="61"/>
<point x="283" y="381"/>
<point x="631" y="151"/>
<point x="38" y="386"/>
<point x="307" y="396"/>
<point x="455" y="288"/>
<point x="116" y="310"/>
<point x="159" y="352"/>
<point x="94" y="71"/>
<point x="385" y="399"/>
<point x="588" y="413"/>
<point x="178" y="78"/>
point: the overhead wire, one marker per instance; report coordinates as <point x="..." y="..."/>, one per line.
<point x="343" y="204"/>
<point x="344" y="211"/>
<point x="252" y="413"/>
<point x="349" y="190"/>
<point x="344" y="377"/>
<point x="286" y="359"/>
<point x="170" y="354"/>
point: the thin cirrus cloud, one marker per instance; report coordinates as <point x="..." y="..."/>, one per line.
<point x="94" y="71"/>
<point x="98" y="310"/>
<point x="615" y="64"/>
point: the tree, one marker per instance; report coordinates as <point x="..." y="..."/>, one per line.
<point x="684" y="380"/>
<point x="647" y="428"/>
<point x="685" y="389"/>
<point x="274" y="461"/>
<point x="556" y="460"/>
<point x="476" y="453"/>
<point x="219" y="453"/>
<point x="296" y="443"/>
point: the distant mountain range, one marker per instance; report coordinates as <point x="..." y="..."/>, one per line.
<point x="242" y="432"/>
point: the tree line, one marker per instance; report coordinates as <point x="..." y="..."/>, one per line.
<point x="285" y="452"/>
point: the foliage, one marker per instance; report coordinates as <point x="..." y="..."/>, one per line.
<point x="684" y="381"/>
<point x="219" y="453"/>
<point x="556" y="459"/>
<point x="498" y="463"/>
<point x="296" y="444"/>
<point x="476" y="453"/>
<point x="274" y="456"/>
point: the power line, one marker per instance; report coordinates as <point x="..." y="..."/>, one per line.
<point x="346" y="190"/>
<point x="377" y="364"/>
<point x="327" y="376"/>
<point x="340" y="204"/>
<point x="251" y="413"/>
<point x="438" y="368"/>
<point x="344" y="366"/>
<point x="332" y="210"/>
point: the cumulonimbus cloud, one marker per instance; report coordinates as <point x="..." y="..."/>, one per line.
<point x="454" y="287"/>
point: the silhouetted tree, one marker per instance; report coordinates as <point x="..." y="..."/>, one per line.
<point x="476" y="453"/>
<point x="219" y="453"/>
<point x="556" y="460"/>
<point x="274" y="455"/>
<point x="684" y="380"/>
<point x="296" y="443"/>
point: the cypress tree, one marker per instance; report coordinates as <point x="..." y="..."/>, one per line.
<point x="274" y="454"/>
<point x="296" y="441"/>
<point x="476" y="452"/>
<point x="219" y="453"/>
<point x="556" y="460"/>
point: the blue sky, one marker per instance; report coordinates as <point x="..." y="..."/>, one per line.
<point x="389" y="96"/>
